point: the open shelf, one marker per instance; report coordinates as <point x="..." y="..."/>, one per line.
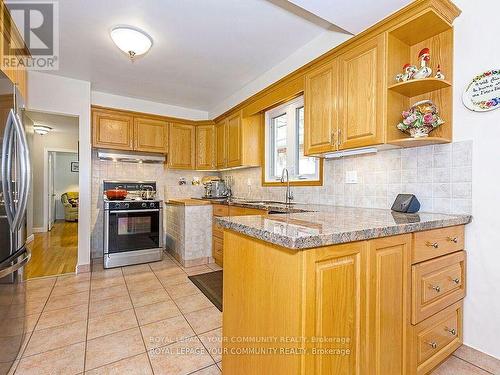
<point x="416" y="87"/>
<point x="416" y="142"/>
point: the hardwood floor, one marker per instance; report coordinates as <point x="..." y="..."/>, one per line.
<point x="54" y="252"/>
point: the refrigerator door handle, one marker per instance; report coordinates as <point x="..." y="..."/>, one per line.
<point x="6" y="169"/>
<point x="22" y="260"/>
<point x="23" y="191"/>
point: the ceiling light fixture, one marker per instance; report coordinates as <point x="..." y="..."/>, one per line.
<point x="131" y="40"/>
<point x="41" y="129"/>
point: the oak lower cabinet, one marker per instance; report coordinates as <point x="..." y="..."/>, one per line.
<point x="181" y="146"/>
<point x="150" y="135"/>
<point x="238" y="141"/>
<point x="341" y="309"/>
<point x="205" y="147"/>
<point x="112" y="129"/>
<point x="217" y="232"/>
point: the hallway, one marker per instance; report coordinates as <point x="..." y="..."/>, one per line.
<point x="54" y="252"/>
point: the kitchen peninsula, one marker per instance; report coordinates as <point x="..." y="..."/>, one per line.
<point x="342" y="291"/>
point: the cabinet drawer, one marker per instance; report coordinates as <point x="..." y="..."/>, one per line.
<point x="436" y="284"/>
<point x="436" y="242"/>
<point x="217" y="231"/>
<point x="242" y="211"/>
<point x="220" y="210"/>
<point x="436" y="338"/>
<point x="217" y="245"/>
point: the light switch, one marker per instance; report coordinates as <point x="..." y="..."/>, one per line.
<point x="351" y="177"/>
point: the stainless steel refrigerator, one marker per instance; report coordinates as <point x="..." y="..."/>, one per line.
<point x="15" y="179"/>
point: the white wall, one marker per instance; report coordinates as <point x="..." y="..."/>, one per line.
<point x="64" y="179"/>
<point x="139" y="105"/>
<point x="476" y="50"/>
<point x="66" y="96"/>
<point x="315" y="48"/>
<point x="42" y="143"/>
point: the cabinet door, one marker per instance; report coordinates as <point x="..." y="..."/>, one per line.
<point x="319" y="110"/>
<point x="389" y="306"/>
<point x="336" y="308"/>
<point x="150" y="135"/>
<point x="220" y="144"/>
<point x="233" y="142"/>
<point x="112" y="129"/>
<point x="205" y="150"/>
<point x="181" y="146"/>
<point x="361" y="95"/>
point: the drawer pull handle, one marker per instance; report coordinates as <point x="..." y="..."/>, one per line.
<point x="435" y="245"/>
<point x="453" y="331"/>
<point x="453" y="239"/>
<point x="437" y="288"/>
<point x="433" y="345"/>
<point x="456" y="281"/>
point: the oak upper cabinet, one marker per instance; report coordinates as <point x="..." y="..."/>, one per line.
<point x="150" y="135"/>
<point x="361" y="94"/>
<point x="238" y="141"/>
<point x="233" y="144"/>
<point x="320" y="88"/>
<point x="220" y="144"/>
<point x="181" y="146"/>
<point x="205" y="146"/>
<point x="112" y="129"/>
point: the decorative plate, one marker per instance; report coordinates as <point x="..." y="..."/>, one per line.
<point x="483" y="92"/>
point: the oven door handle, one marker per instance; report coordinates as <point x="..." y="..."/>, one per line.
<point x="128" y="211"/>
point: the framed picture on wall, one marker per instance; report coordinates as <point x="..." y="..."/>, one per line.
<point x="75" y="167"/>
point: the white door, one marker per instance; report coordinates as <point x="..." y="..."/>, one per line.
<point x="51" y="191"/>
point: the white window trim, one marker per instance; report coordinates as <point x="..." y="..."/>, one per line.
<point x="292" y="139"/>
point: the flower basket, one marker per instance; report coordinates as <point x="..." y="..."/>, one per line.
<point x="420" y="119"/>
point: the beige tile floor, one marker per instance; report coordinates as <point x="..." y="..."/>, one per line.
<point x="145" y="319"/>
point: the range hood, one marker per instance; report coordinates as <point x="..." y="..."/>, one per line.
<point x="131" y="157"/>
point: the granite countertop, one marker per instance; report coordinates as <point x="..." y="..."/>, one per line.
<point x="187" y="202"/>
<point x="331" y="225"/>
<point x="267" y="205"/>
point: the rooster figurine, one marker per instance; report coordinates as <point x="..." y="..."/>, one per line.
<point x="424" y="56"/>
<point x="439" y="75"/>
<point x="408" y="72"/>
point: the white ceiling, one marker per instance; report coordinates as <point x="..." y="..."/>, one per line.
<point x="204" y="50"/>
<point x="352" y="15"/>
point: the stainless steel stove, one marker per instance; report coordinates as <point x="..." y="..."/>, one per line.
<point x="133" y="227"/>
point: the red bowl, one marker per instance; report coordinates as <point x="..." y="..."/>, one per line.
<point x="116" y="194"/>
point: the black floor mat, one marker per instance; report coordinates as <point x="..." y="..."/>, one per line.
<point x="210" y="285"/>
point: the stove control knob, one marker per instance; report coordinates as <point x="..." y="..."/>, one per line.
<point x="144" y="205"/>
<point x="152" y="205"/>
<point x="117" y="205"/>
<point x="127" y="205"/>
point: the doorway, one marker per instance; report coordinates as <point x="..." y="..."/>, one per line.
<point x="52" y="217"/>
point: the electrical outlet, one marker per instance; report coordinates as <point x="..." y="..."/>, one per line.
<point x="351" y="177"/>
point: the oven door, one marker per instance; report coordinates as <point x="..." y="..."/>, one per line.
<point x="133" y="230"/>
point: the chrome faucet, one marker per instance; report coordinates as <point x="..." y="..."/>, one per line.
<point x="289" y="195"/>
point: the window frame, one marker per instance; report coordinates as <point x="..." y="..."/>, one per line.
<point x="270" y="177"/>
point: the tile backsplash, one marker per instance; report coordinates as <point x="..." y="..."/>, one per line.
<point x="440" y="176"/>
<point x="167" y="185"/>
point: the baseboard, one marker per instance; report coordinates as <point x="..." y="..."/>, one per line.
<point x="30" y="238"/>
<point x="39" y="230"/>
<point x="189" y="262"/>
<point x="82" y="268"/>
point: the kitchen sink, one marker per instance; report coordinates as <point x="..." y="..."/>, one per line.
<point x="265" y="203"/>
